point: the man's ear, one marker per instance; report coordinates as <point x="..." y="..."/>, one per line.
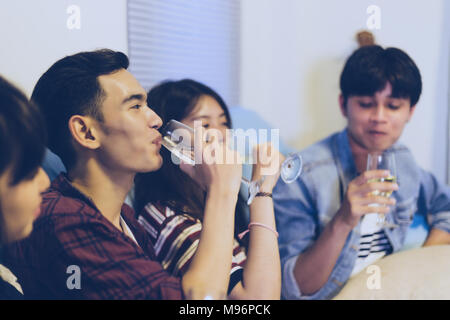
<point x="342" y="105"/>
<point x="84" y="131"/>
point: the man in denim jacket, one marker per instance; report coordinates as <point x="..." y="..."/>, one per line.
<point x="319" y="217"/>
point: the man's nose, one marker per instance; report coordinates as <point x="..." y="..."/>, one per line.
<point x="378" y="113"/>
<point x="155" y="121"/>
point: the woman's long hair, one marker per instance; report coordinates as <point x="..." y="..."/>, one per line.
<point x="170" y="186"/>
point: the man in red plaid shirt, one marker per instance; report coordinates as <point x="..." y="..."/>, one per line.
<point x="86" y="244"/>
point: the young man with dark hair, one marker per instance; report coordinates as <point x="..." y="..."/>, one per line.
<point x="87" y="243"/>
<point x="321" y="216"/>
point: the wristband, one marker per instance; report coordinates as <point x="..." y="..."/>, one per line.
<point x="257" y="224"/>
<point x="264" y="194"/>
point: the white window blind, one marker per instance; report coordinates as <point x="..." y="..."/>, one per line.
<point x="175" y="39"/>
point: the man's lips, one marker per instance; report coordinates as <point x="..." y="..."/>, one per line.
<point x="157" y="141"/>
<point x="377" y="133"/>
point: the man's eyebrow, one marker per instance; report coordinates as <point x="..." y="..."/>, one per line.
<point x="396" y="97"/>
<point x="366" y="96"/>
<point x="137" y="96"/>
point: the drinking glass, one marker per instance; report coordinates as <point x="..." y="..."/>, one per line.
<point x="178" y="138"/>
<point x="383" y="161"/>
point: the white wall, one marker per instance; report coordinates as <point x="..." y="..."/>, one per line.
<point x="34" y="34"/>
<point x="292" y="53"/>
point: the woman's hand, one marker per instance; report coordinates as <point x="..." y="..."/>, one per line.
<point x="220" y="168"/>
<point x="268" y="163"/>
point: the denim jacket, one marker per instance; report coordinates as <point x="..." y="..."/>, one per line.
<point x="304" y="207"/>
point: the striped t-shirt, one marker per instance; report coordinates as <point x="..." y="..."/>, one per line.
<point x="175" y="238"/>
<point x="373" y="244"/>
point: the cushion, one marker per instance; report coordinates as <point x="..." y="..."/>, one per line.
<point x="422" y="273"/>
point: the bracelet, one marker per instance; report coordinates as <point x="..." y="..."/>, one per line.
<point x="257" y="224"/>
<point x="264" y="194"/>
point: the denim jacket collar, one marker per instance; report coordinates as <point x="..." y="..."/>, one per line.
<point x="345" y="162"/>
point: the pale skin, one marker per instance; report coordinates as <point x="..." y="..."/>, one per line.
<point x="262" y="272"/>
<point x="374" y="124"/>
<point x="262" y="275"/>
<point x="215" y="249"/>
<point x="112" y="151"/>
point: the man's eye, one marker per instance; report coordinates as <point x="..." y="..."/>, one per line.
<point x="138" y="106"/>
<point x="365" y="105"/>
<point x="206" y="126"/>
<point x="393" y="107"/>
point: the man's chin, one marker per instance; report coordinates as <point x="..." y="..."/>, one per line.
<point x="160" y="162"/>
<point x="155" y="165"/>
<point x="378" y="148"/>
<point x="380" y="145"/>
<point x="367" y="143"/>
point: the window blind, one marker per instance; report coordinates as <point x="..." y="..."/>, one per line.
<point x="175" y="39"/>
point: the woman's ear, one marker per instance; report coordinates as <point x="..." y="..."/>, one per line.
<point x="84" y="131"/>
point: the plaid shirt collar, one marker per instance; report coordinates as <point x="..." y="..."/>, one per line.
<point x="64" y="186"/>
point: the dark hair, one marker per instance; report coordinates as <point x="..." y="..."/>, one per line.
<point x="22" y="138"/>
<point x="22" y="134"/>
<point x="370" y="68"/>
<point x="170" y="186"/>
<point x="71" y="87"/>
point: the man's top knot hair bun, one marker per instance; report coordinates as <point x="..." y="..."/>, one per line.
<point x="365" y="38"/>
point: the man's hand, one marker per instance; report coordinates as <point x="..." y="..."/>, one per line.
<point x="437" y="237"/>
<point x="360" y="194"/>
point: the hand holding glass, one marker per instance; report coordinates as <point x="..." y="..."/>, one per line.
<point x="178" y="139"/>
<point x="383" y="161"/>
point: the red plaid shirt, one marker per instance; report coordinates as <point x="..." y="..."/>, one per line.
<point x="71" y="231"/>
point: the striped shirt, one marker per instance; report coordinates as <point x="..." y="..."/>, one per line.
<point x="373" y="244"/>
<point x="175" y="238"/>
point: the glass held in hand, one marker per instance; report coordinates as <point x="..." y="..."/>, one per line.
<point x="383" y="161"/>
<point x="290" y="169"/>
<point x="179" y="139"/>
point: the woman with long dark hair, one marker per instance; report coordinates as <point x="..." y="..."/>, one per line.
<point x="172" y="204"/>
<point x="22" y="147"/>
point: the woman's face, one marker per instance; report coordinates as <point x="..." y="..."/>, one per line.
<point x="20" y="204"/>
<point x="210" y="113"/>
